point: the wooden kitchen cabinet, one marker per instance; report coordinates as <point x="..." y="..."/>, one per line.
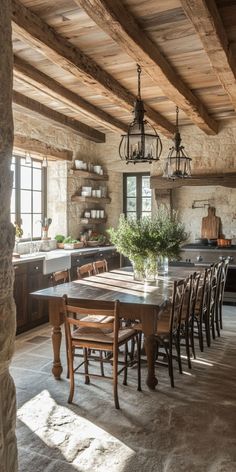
<point x="37" y="309"/>
<point x="77" y="260"/>
<point x="29" y="311"/>
<point x="20" y="296"/>
<point x="111" y="255"/>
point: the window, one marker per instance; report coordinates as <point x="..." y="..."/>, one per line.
<point x="137" y="195"/>
<point x="28" y="196"/>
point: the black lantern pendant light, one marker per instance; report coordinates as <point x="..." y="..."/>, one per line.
<point x="178" y="165"/>
<point x="141" y="143"/>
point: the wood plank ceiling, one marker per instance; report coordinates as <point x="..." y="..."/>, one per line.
<point x="78" y="59"/>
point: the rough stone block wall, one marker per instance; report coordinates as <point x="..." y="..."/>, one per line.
<point x="209" y="154"/>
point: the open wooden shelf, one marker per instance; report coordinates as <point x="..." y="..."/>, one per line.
<point x="79" y="198"/>
<point x="89" y="175"/>
<point x="93" y="221"/>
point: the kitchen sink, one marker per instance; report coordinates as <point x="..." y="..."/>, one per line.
<point x="52" y="261"/>
<point x="56" y="261"/>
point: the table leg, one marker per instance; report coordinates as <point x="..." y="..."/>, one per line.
<point x="150" y="347"/>
<point x="55" y="320"/>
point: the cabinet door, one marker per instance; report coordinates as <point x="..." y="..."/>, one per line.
<point x="37" y="309"/>
<point x="20" y="296"/>
<point x="115" y="262"/>
<point x="111" y="256"/>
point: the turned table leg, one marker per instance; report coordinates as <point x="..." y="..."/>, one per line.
<point x="56" y="321"/>
<point x="149" y="319"/>
<point x="150" y="348"/>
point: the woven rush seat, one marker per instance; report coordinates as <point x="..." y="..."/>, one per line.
<point x="101" y="335"/>
<point x="163" y="326"/>
<point x="96" y="319"/>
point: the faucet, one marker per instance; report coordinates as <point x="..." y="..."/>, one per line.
<point x="31" y="245"/>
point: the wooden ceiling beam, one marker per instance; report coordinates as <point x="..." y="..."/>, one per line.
<point x="30" y="28"/>
<point x="207" y="22"/>
<point x="29" y="75"/>
<point x="79" y="128"/>
<point x="24" y="143"/>
<point x="115" y="19"/>
<point x="224" y="180"/>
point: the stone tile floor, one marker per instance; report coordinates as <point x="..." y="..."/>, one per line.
<point x="191" y="427"/>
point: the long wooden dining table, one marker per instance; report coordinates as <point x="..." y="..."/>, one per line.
<point x="138" y="301"/>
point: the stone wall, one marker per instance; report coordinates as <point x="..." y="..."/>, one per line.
<point x="209" y="154"/>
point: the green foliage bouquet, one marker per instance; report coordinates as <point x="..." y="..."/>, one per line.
<point x="170" y="233"/>
<point x="148" y="238"/>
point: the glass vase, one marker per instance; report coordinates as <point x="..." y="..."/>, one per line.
<point x="162" y="264"/>
<point x="139" y="269"/>
<point x="151" y="270"/>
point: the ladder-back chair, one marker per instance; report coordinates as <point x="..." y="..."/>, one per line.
<point x="85" y="270"/>
<point x="102" y="333"/>
<point x="100" y="266"/>
<point x="168" y="326"/>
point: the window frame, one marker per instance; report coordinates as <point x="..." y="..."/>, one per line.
<point x="18" y="189"/>
<point x="139" y="195"/>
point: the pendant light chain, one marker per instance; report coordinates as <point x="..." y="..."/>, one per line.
<point x="139" y="70"/>
<point x="141" y="144"/>
<point x="177" y="119"/>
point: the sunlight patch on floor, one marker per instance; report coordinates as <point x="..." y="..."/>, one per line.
<point x="83" y="444"/>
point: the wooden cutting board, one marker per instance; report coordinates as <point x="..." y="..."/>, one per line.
<point x="211" y="225"/>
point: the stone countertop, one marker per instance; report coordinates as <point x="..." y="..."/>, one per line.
<point x="202" y="247"/>
<point x="57" y="252"/>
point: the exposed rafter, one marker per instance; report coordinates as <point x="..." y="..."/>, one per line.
<point x="42" y="82"/>
<point x="208" y="25"/>
<point x="80" y="128"/>
<point x="24" y="143"/>
<point x="199" y="180"/>
<point x="31" y="29"/>
<point x="115" y="19"/>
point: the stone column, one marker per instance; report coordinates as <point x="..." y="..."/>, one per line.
<point x="8" y="449"/>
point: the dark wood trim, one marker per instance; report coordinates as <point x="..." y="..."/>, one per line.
<point x="24" y="143"/>
<point x="224" y="180"/>
<point x="139" y="176"/>
<point x="18" y="192"/>
<point x="79" y="198"/>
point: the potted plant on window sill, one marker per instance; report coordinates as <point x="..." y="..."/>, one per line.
<point x="146" y="242"/>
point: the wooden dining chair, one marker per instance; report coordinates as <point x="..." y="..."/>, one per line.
<point x="222" y="276"/>
<point x="60" y="277"/>
<point x="168" y="328"/>
<point x="100" y="266"/>
<point x="85" y="270"/>
<point x="104" y="333"/>
<point x="186" y="331"/>
<point x="201" y="314"/>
